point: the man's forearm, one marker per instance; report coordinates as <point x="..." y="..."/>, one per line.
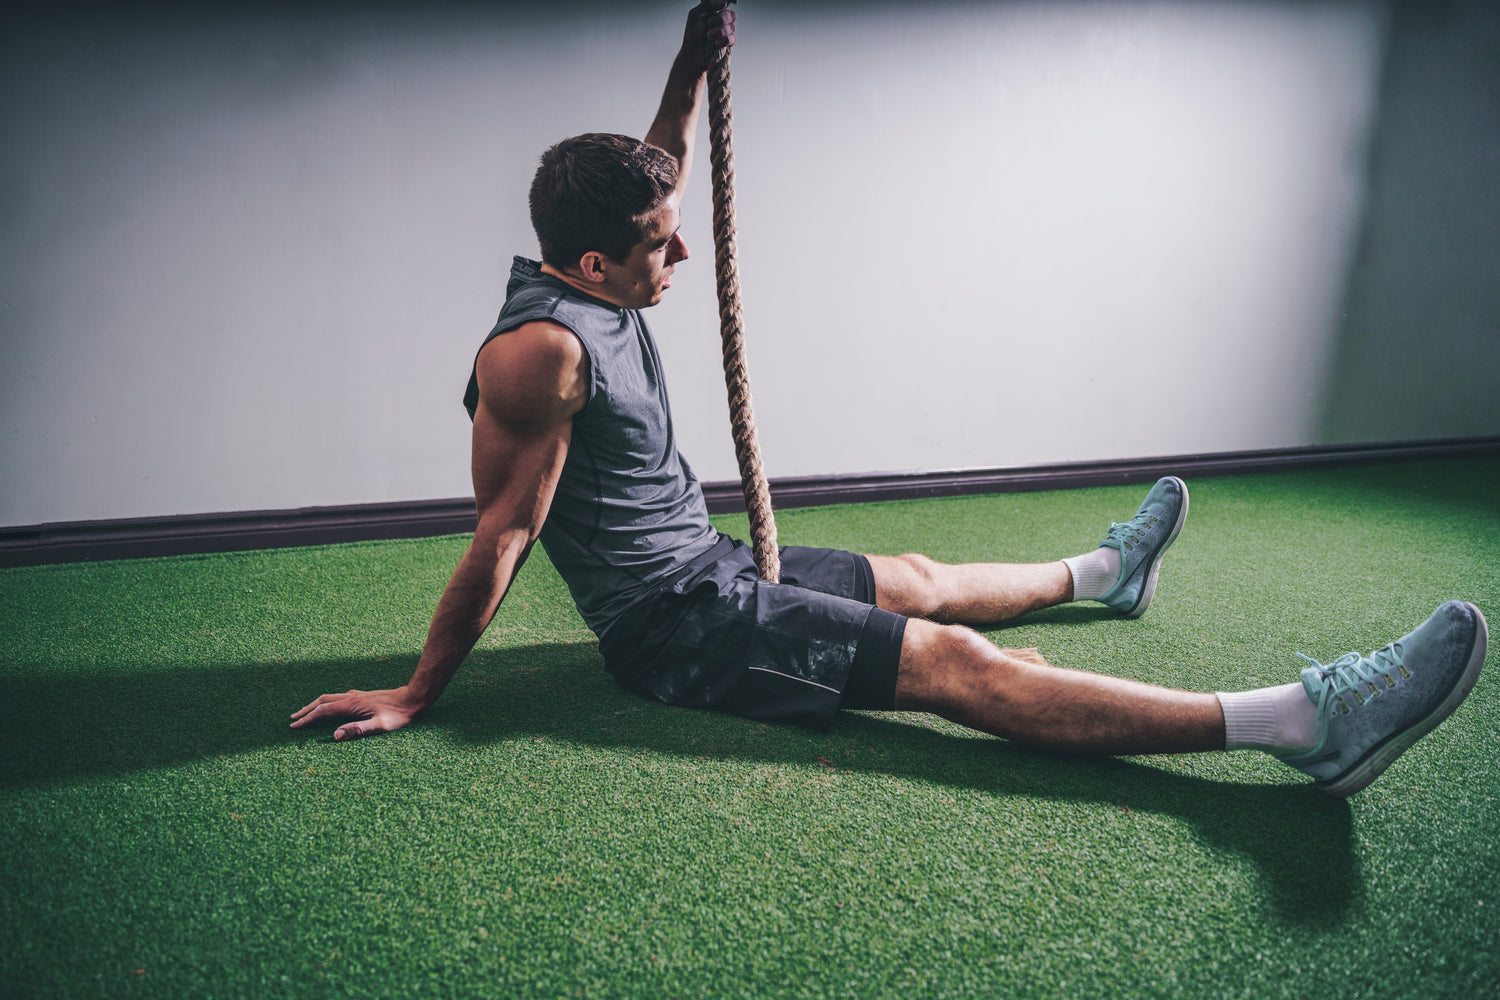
<point x="468" y="605"/>
<point x="676" y="124"/>
<point x="710" y="26"/>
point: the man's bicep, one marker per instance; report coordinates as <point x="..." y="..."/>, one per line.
<point x="515" y="471"/>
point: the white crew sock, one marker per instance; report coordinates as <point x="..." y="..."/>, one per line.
<point x="1276" y="719"/>
<point x="1094" y="573"/>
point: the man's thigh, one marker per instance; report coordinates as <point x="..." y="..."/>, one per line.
<point x="828" y="571"/>
<point x="779" y="652"/>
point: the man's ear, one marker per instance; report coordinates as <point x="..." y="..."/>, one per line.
<point x="591" y="266"/>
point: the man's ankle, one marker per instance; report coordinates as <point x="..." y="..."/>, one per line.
<point x="1277" y="719"/>
<point x="1094" y="573"/>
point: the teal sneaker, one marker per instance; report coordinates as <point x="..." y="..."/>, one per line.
<point x="1371" y="708"/>
<point x="1142" y="542"/>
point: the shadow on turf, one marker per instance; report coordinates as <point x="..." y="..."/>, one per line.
<point x="67" y="727"/>
<point x="56" y="728"/>
<point x="1062" y="614"/>
<point x="1301" y="840"/>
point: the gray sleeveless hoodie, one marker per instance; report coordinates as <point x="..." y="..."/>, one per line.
<point x="628" y="512"/>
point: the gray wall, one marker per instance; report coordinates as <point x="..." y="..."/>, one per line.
<point x="249" y="252"/>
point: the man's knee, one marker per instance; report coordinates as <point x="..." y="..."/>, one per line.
<point x="909" y="584"/>
<point x="945" y="664"/>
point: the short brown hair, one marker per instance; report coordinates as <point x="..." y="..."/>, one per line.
<point x="594" y="192"/>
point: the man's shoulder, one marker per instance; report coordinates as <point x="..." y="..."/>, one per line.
<point x="537" y="350"/>
<point x="538" y="342"/>
<point x="536" y="372"/>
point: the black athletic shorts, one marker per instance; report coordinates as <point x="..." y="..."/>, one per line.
<point x="717" y="636"/>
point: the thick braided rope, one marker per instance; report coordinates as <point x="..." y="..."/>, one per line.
<point x="731" y="323"/>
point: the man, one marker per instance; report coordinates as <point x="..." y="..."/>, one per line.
<point x="573" y="444"/>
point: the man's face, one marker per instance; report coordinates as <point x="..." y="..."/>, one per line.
<point x="645" y="275"/>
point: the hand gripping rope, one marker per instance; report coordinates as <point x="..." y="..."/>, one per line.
<point x="731" y="322"/>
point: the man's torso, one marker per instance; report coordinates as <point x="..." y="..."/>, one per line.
<point x="628" y="512"/>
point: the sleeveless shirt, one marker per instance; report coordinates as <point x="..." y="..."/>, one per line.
<point x="628" y="512"/>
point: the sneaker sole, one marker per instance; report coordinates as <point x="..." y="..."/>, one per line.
<point x="1149" y="590"/>
<point x="1373" y="763"/>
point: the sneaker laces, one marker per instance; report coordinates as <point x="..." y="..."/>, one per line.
<point x="1133" y="532"/>
<point x="1355" y="678"/>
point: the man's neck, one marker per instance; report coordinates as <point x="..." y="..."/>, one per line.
<point x="588" y="288"/>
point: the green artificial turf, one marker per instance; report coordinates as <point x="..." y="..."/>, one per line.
<point x="543" y="834"/>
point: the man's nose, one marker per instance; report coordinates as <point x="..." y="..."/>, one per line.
<point x="677" y="250"/>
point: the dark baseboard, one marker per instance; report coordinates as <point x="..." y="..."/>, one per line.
<point x="131" y="538"/>
<point x="188" y="534"/>
<point x="813" y="491"/>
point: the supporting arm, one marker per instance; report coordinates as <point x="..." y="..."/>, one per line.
<point x="532" y="381"/>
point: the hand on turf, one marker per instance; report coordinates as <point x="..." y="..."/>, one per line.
<point x="376" y="712"/>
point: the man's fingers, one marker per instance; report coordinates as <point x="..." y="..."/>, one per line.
<point x="307" y="713"/>
<point x="327" y="705"/>
<point x="352" y="731"/>
<point x="723" y="32"/>
<point x="305" y="709"/>
<point x="715" y="21"/>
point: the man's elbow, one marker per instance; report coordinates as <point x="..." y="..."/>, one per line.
<point x="497" y="545"/>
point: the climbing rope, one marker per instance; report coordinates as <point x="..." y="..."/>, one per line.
<point x="732" y="324"/>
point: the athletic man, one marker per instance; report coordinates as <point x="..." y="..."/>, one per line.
<point x="573" y="444"/>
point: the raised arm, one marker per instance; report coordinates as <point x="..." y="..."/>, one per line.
<point x="710" y="24"/>
<point x="531" y="383"/>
